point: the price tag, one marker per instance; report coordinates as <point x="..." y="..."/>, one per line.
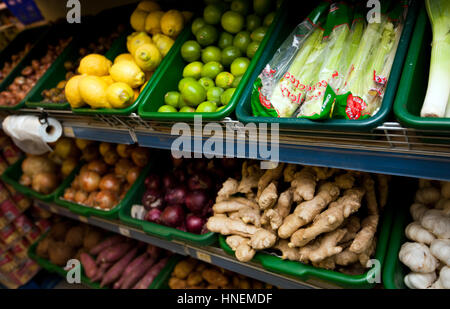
<point x="54" y="209"/>
<point x="124" y="231"/>
<point x="83" y="219"/>
<point x="68" y="132"/>
<point x="204" y="257"/>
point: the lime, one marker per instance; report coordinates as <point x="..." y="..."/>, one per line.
<point x="197" y="24"/>
<point x="226" y="96"/>
<point x="239" y="66"/>
<point x="191" y="51"/>
<point x="259" y="33"/>
<point x="181" y="102"/>
<point x="229" y="54"/>
<point x="232" y="22"/>
<point x="187" y="109"/>
<point x="206" y="82"/>
<point x="206" y="107"/>
<point x="240" y="6"/>
<point x="193" y="69"/>
<point x="241" y="40"/>
<point x="212" y="14"/>
<point x="224" y="80"/>
<point x="236" y="81"/>
<point x="252" y="48"/>
<point x="206" y="35"/>
<point x="167" y="109"/>
<point x="211" y="53"/>
<point x="261" y="7"/>
<point x="213" y="94"/>
<point x="253" y="22"/>
<point x="269" y="19"/>
<point x="172" y="98"/>
<point x="184" y="81"/>
<point x="211" y="69"/>
<point x="193" y="93"/>
<point x="225" y="40"/>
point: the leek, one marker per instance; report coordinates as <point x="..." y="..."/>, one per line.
<point x="437" y="97"/>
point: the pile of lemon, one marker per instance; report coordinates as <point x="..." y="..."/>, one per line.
<point x="102" y="83"/>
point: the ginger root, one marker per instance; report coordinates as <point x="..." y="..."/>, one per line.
<point x="233" y="204"/>
<point x="240" y="245"/>
<point x="345" y="181"/>
<point x="323" y="247"/>
<point x="415" y="232"/>
<point x="276" y="215"/>
<point x="268" y="197"/>
<point x="363" y="238"/>
<point x="383" y="189"/>
<point x="268" y="177"/>
<point x="428" y="195"/>
<point x="251" y="173"/>
<point x="289" y="172"/>
<point x="229" y="187"/>
<point x="287" y="253"/>
<point x="371" y="198"/>
<point x="304" y="184"/>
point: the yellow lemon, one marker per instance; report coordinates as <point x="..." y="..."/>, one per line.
<point x="163" y="42"/>
<point x="95" y="64"/>
<point x="143" y="86"/>
<point x="148" y="57"/>
<point x="124" y="57"/>
<point x="153" y="22"/>
<point x="137" y="40"/>
<point x="148" y="6"/>
<point x="120" y="95"/>
<point x="187" y="16"/>
<point x="172" y="22"/>
<point x="137" y="20"/>
<point x="108" y="79"/>
<point x="72" y="93"/>
<point x="93" y="91"/>
<point x="128" y="72"/>
<point x="136" y="94"/>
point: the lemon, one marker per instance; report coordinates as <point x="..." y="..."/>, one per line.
<point x="124" y="57"/>
<point x="187" y="16"/>
<point x="127" y="72"/>
<point x="148" y="6"/>
<point x="148" y="57"/>
<point x="95" y="64"/>
<point x="153" y="22"/>
<point x="72" y="93"/>
<point x="137" y="20"/>
<point x="163" y="42"/>
<point x="134" y="41"/>
<point x="93" y="91"/>
<point x="108" y="79"/>
<point x="120" y="95"/>
<point x="143" y="86"/>
<point x="172" y="23"/>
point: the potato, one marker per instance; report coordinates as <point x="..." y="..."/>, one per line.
<point x="75" y="236"/>
<point x="184" y="268"/>
<point x="59" y="253"/>
<point x="42" y="247"/>
<point x="92" y="238"/>
<point x="59" y="230"/>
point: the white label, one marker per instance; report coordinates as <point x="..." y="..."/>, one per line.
<point x="124" y="231"/>
<point x="83" y="219"/>
<point x="204" y="257"/>
<point x="68" y="132"/>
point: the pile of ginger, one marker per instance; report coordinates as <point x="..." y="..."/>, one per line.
<point x="323" y="216"/>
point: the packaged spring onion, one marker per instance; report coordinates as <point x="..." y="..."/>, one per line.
<point x="339" y="71"/>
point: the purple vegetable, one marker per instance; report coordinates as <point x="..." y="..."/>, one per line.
<point x="151" y="274"/>
<point x="153" y="181"/>
<point x="106" y="243"/>
<point x="175" y="196"/>
<point x="153" y="251"/>
<point x="180" y="175"/>
<point x="101" y="271"/>
<point x="88" y="264"/>
<point x="113" y="253"/>
<point x="152" y="199"/>
<point x="137" y="273"/>
<point x="115" y="271"/>
<point x="200" y="181"/>
<point x="194" y="224"/>
<point x="197" y="201"/>
<point x="173" y="216"/>
<point x="169" y="181"/>
<point x="130" y="268"/>
<point x="154" y="215"/>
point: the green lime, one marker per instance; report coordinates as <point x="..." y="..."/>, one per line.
<point x="187" y="109"/>
<point x="253" y="22"/>
<point x="262" y="7"/>
<point x="239" y="66"/>
<point x="252" y="48"/>
<point x="213" y="94"/>
<point x="269" y="19"/>
<point x="193" y="69"/>
<point x="206" y="35"/>
<point x="225" y="40"/>
<point x="211" y="69"/>
<point x="191" y="51"/>
<point x="212" y="14"/>
<point x="224" y="80"/>
<point x="206" y="82"/>
<point x="240" y="6"/>
<point x="167" y="109"/>
<point x="226" y="96"/>
<point x="236" y="81"/>
<point x="184" y="81"/>
<point x="181" y="102"/>
<point x="211" y="53"/>
<point x="259" y="33"/>
<point x="232" y="22"/>
<point x="206" y="107"/>
<point x="172" y="98"/>
<point x="197" y="24"/>
<point x="241" y="40"/>
<point x="229" y="54"/>
<point x="193" y="93"/>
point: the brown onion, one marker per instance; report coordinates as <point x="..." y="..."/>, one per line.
<point x="111" y="157"/>
<point x="104" y="148"/>
<point x="91" y="199"/>
<point x="140" y="156"/>
<point x="89" y="181"/>
<point x="105" y="199"/>
<point x="98" y="166"/>
<point x="110" y="182"/>
<point x="80" y="197"/>
<point x="133" y="174"/>
<point x="122" y="168"/>
<point x="76" y="183"/>
<point x="45" y="182"/>
<point x="124" y="150"/>
<point x="69" y="194"/>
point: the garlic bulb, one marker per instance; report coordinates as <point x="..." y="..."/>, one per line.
<point x="443" y="281"/>
<point x="440" y="248"/>
<point x="419" y="280"/>
<point x="437" y="223"/>
<point x="417" y="257"/>
<point x="415" y="232"/>
<point x="417" y="210"/>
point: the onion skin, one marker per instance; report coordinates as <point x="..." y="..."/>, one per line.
<point x="80" y="197"/>
<point x="175" y="196"/>
<point x="153" y="181"/>
<point x="124" y="151"/>
<point x="152" y="199"/>
<point x="194" y="224"/>
<point x="122" y="168"/>
<point x="105" y="199"/>
<point x="154" y="215"/>
<point x="169" y="181"/>
<point x="173" y="216"/>
<point x="98" y="166"/>
<point x="44" y="183"/>
<point x="133" y="174"/>
<point x="200" y="181"/>
<point x="69" y="194"/>
<point x="197" y="201"/>
<point x="111" y="158"/>
<point x="89" y="181"/>
<point x="110" y="182"/>
<point x="140" y="156"/>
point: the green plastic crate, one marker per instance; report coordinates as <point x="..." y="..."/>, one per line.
<point x="414" y="81"/>
<point x="168" y="77"/>
<point x="168" y="233"/>
<point x="13" y="173"/>
<point x="57" y="31"/>
<point x="244" y="110"/>
<point x="308" y="273"/>
<point x="90" y="211"/>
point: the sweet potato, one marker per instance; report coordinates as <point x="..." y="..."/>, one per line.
<point x="151" y="274"/>
<point x="108" y="242"/>
<point x="113" y="253"/>
<point x="117" y="269"/>
<point x="130" y="268"/>
<point x="152" y="250"/>
<point x="101" y="270"/>
<point x="137" y="273"/>
<point x="90" y="268"/>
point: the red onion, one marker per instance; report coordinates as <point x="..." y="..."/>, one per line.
<point x="179" y="175"/>
<point x="196" y="165"/>
<point x="175" y="196"/>
<point x="194" y="224"/>
<point x="154" y="215"/>
<point x="152" y="199"/>
<point x="173" y="216"/>
<point x="196" y="201"/>
<point x="153" y="181"/>
<point x="169" y="181"/>
<point x="200" y="181"/>
<point x="177" y="162"/>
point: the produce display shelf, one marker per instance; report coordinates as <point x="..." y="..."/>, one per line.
<point x="209" y="254"/>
